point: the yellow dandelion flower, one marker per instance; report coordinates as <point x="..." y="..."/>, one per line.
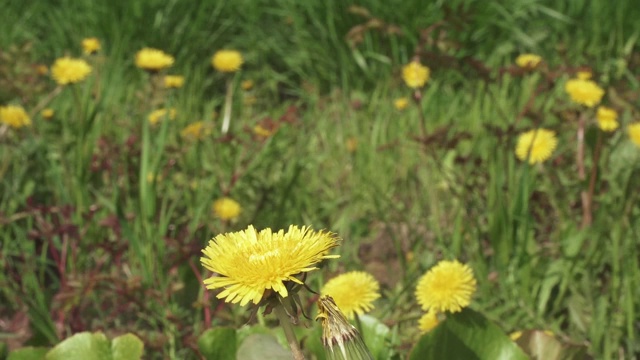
<point x="173" y="81"/>
<point x="47" y="114"/>
<point x="428" y="322"/>
<point x="584" y="75"/>
<point x="247" y="85"/>
<point x="249" y="262"/>
<point x="339" y="334"/>
<point x="354" y="292"/>
<point x="153" y="59"/>
<point x="227" y="60"/>
<point x="226" y="208"/>
<point x="67" y="70"/>
<point x="634" y="133"/>
<point x="261" y="131"/>
<point x="514" y="336"/>
<point x="14" y="116"/>
<point x="536" y="145"/>
<point x="415" y="75"/>
<point x="607" y="118"/>
<point x="90" y="45"/>
<point x="584" y="92"/>
<point x="448" y="286"/>
<point x="401" y="103"/>
<point x="196" y="131"/>
<point x="528" y="61"/>
<point x="156" y="115"/>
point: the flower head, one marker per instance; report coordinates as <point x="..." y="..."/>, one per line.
<point x="353" y="292"/>
<point x="14" y="116"/>
<point x="428" y="321"/>
<point x="338" y="333"/>
<point x="226" y="208"/>
<point x="47" y="113"/>
<point x="247" y="85"/>
<point x="415" y="75"/>
<point x="634" y="133"/>
<point x="528" y="61"/>
<point x="584" y="75"/>
<point x="227" y="61"/>
<point x="401" y="103"/>
<point x="153" y="59"/>
<point x="173" y="81"/>
<point x="90" y="45"/>
<point x="156" y="115"/>
<point x="536" y="145"/>
<point x="584" y="92"/>
<point x="448" y="286"/>
<point x="70" y="71"/>
<point x="250" y="262"/>
<point x="196" y="131"/>
<point x="607" y="118"/>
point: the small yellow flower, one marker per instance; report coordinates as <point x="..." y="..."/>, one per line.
<point x="173" y="81"/>
<point x="415" y="75"/>
<point x="14" y="116"/>
<point x="42" y="70"/>
<point x="153" y="59"/>
<point x="226" y="208"/>
<point x="634" y="133"/>
<point x="67" y="70"/>
<point x="247" y="85"/>
<point x="354" y="292"/>
<point x="536" y="145"/>
<point x="448" y="286"/>
<point x="607" y="118"/>
<point x="514" y="336"/>
<point x="528" y="61"/>
<point x="352" y="144"/>
<point x="428" y="322"/>
<point x="195" y="131"/>
<point x="90" y="45"/>
<point x="584" y="75"/>
<point x="401" y="103"/>
<point x="227" y="61"/>
<point x="261" y="131"/>
<point x="249" y="263"/>
<point x="156" y="115"/>
<point x="47" y="114"/>
<point x="584" y="92"/>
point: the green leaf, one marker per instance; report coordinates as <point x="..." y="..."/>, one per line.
<point x="127" y="347"/>
<point x="375" y="333"/>
<point x="542" y="345"/>
<point x="28" y="353"/>
<point x="82" y="346"/>
<point x="466" y="335"/>
<point x="262" y="346"/>
<point x="218" y="343"/>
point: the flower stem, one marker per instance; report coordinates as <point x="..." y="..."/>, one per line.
<point x="288" y="331"/>
<point x="227" y="107"/>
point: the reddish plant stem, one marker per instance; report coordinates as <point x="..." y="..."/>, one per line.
<point x="587" y="196"/>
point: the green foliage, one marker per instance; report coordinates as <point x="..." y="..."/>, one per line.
<point x="89" y="346"/>
<point x="218" y="343"/>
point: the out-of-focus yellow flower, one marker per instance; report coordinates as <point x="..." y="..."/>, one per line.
<point x="354" y="292"/>
<point x="352" y="144"/>
<point x="401" y="103"/>
<point x="448" y="286"/>
<point x="584" y="75"/>
<point x="153" y="59"/>
<point x="173" y="81"/>
<point x="584" y="92"/>
<point x="14" y="116"/>
<point x="428" y="322"/>
<point x="261" y="131"/>
<point x="42" y="70"/>
<point x="90" y="45"/>
<point x="415" y="75"/>
<point x="528" y="61"/>
<point x="226" y="208"/>
<point x="47" y="114"/>
<point x="70" y="71"/>
<point x="196" y="131"/>
<point x="227" y="61"/>
<point x="607" y="118"/>
<point x="515" y="335"/>
<point x="247" y="85"/>
<point x="156" y="115"/>
<point x="536" y="145"/>
<point x="634" y="133"/>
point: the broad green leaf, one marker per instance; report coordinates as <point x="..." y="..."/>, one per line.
<point x="127" y="347"/>
<point x="466" y="335"/>
<point x="262" y="346"/>
<point x="542" y="345"/>
<point x="218" y="343"/>
<point x="82" y="346"/>
<point x="375" y="334"/>
<point x="28" y="353"/>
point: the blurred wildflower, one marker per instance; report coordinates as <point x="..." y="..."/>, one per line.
<point x="196" y="131"/>
<point x="352" y="144"/>
<point x="514" y="336"/>
<point x="415" y="75"/>
<point x="14" y="116"/>
<point x="428" y="321"/>
<point x="70" y="71"/>
<point x="151" y="178"/>
<point x="584" y="92"/>
<point x="634" y="133"/>
<point x="173" y="81"/>
<point x="338" y="333"/>
<point x="261" y="131"/>
<point x="536" y="145"/>
<point x="226" y="208"/>
<point x="584" y="75"/>
<point x="47" y="113"/>
<point x="250" y="263"/>
<point x="156" y="115"/>
<point x="607" y="118"/>
<point x="227" y="60"/>
<point x="448" y="286"/>
<point x="42" y="70"/>
<point x="153" y="59"/>
<point x="401" y="103"/>
<point x="354" y="292"/>
<point x="247" y="85"/>
<point x="528" y="61"/>
<point x="90" y="45"/>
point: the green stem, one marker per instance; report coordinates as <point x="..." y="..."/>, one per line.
<point x="285" y="322"/>
<point x="227" y="107"/>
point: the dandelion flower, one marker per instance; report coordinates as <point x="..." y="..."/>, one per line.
<point x="514" y="336"/>
<point x="14" y="116"/>
<point x="196" y="131"/>
<point x="584" y="92"/>
<point x="67" y="70"/>
<point x="415" y="75"/>
<point x="250" y="262"/>
<point x="47" y="113"/>
<point x="247" y="85"/>
<point x="428" y="321"/>
<point x="227" y="61"/>
<point x="173" y="81"/>
<point x="354" y="292"/>
<point x="153" y="59"/>
<point x="448" y="286"/>
<point x="401" y="103"/>
<point x="528" y="61"/>
<point x="634" y="133"/>
<point x="536" y="145"/>
<point x="584" y="75"/>
<point x="90" y="45"/>
<point x="156" y="115"/>
<point x="338" y="333"/>
<point x="226" y="208"/>
<point x="607" y="118"/>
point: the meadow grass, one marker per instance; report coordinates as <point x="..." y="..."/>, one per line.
<point x="103" y="215"/>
